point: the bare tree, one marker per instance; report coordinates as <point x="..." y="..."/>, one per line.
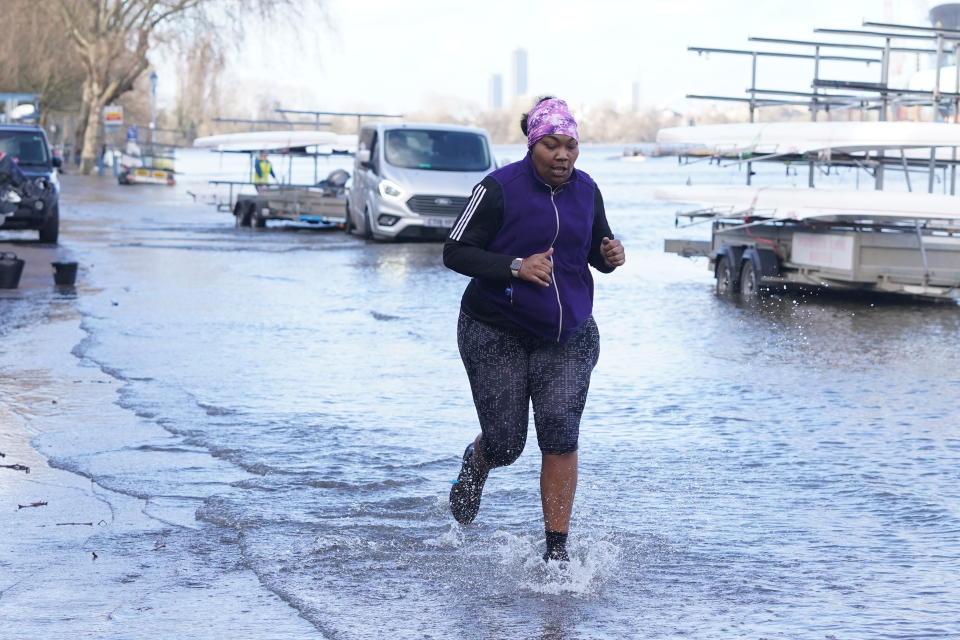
<point x="199" y="90"/>
<point x="114" y="37"/>
<point x="34" y="60"/>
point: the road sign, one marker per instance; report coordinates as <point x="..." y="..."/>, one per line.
<point x="113" y="115"/>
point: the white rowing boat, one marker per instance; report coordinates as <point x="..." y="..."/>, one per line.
<point x="274" y="140"/>
<point x="797" y="138"/>
<point x="781" y="203"/>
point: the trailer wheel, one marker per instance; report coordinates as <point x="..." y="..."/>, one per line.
<point x="258" y="220"/>
<point x="749" y="281"/>
<point x="242" y="212"/>
<point x="727" y="284"/>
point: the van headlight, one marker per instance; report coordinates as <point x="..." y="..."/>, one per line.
<point x="390" y="189"/>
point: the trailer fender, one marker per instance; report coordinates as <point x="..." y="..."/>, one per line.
<point x="733" y="255"/>
<point x="764" y="260"/>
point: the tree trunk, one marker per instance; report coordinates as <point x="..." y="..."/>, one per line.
<point x="91" y="136"/>
<point x="89" y="131"/>
<point x="81" y="132"/>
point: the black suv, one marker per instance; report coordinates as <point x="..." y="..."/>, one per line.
<point x="29" y="184"/>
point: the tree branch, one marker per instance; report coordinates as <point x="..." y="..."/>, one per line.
<point x="70" y="21"/>
<point x="181" y="6"/>
<point x="97" y="7"/>
<point x="132" y="20"/>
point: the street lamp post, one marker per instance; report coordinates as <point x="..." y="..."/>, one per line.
<point x="153" y="105"/>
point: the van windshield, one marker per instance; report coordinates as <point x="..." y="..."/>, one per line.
<point x="436" y="150"/>
<point x="27" y="147"/>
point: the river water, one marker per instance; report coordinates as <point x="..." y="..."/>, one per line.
<point x="783" y="471"/>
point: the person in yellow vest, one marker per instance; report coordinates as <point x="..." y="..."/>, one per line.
<point x="262" y="171"/>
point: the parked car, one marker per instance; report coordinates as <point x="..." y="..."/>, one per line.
<point x="411" y="180"/>
<point x="29" y="182"/>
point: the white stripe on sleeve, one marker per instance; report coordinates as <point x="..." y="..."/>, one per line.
<point x="468" y="212"/>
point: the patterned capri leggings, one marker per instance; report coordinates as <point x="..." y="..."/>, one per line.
<point x="507" y="369"/>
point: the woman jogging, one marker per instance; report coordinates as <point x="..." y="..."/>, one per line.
<point x="526" y="333"/>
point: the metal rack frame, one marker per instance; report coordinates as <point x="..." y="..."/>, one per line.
<point x="866" y="96"/>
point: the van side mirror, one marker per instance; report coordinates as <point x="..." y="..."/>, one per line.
<point x="57" y="162"/>
<point x="363" y="157"/>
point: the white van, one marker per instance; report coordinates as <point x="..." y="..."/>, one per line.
<point x="411" y="180"/>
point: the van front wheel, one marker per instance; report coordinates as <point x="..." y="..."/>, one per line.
<point x="367" y="224"/>
<point x="347" y="221"/>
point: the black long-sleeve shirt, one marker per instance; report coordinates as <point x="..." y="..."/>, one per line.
<point x="465" y="248"/>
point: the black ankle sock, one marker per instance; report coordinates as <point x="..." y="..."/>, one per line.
<point x="556" y="545"/>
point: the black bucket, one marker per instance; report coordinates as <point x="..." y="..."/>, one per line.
<point x="65" y="273"/>
<point x="10" y="269"/>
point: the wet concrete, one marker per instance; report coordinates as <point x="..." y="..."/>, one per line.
<point x="36" y="296"/>
<point x="86" y="561"/>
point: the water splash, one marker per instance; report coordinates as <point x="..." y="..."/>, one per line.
<point x="452" y="538"/>
<point x="592" y="563"/>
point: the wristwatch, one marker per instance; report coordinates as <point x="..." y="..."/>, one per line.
<point x="515" y="267"/>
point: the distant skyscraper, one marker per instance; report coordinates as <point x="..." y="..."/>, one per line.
<point x="496" y="91"/>
<point x="520" y="72"/>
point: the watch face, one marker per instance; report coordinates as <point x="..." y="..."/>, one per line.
<point x="515" y="265"/>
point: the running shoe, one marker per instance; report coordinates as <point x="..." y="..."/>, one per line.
<point x="466" y="490"/>
<point x="557" y="555"/>
<point x="556" y="547"/>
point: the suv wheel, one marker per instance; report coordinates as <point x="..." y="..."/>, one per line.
<point x="50" y="230"/>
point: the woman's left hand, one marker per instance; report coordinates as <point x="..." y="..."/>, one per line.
<point x="612" y="252"/>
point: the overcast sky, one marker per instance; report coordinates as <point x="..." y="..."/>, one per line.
<point x="404" y="56"/>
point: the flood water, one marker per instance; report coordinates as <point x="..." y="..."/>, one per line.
<point x="297" y="404"/>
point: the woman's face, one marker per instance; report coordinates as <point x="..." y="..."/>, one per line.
<point x="553" y="158"/>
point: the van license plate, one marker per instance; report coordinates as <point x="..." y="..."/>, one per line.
<point x="444" y="223"/>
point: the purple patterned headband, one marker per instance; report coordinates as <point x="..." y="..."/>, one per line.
<point x="549" y="117"/>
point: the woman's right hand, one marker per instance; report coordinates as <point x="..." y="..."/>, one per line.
<point x="538" y="268"/>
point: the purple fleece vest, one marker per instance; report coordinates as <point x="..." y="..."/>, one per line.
<point x="535" y="218"/>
